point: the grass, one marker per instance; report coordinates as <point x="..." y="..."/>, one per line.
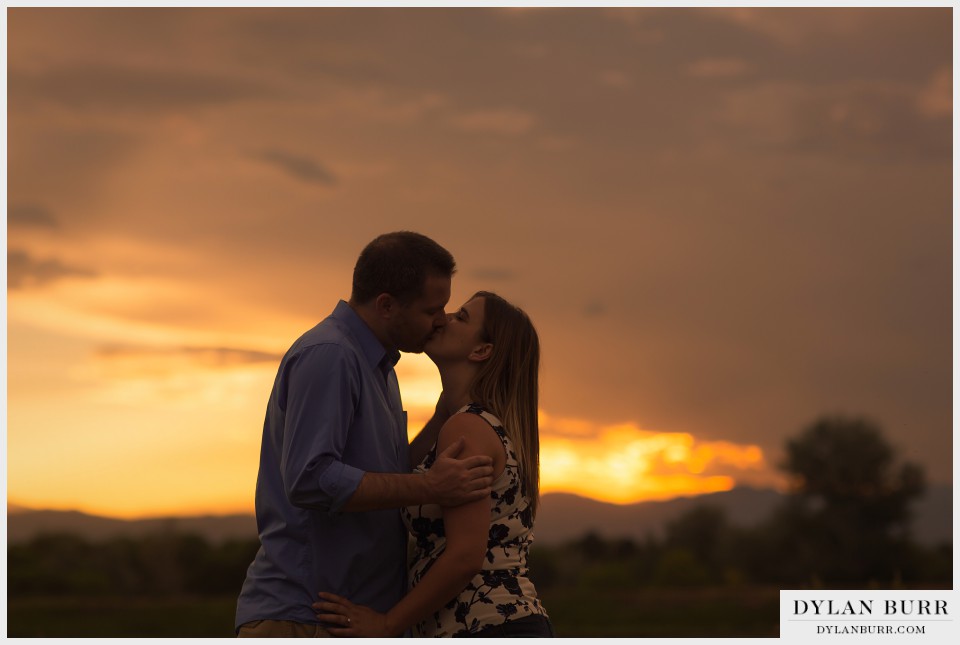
<point x="748" y="611"/>
<point x="68" y="617"/>
<point x="712" y="612"/>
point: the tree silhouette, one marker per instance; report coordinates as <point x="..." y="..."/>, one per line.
<point x="842" y="461"/>
<point x="848" y="521"/>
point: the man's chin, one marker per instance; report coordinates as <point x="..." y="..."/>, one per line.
<point x="416" y="349"/>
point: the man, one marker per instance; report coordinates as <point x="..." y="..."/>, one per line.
<point x="335" y="463"/>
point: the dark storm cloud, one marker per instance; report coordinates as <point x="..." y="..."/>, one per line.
<point x="25" y="271"/>
<point x="873" y="121"/>
<point x="115" y="87"/>
<point x="299" y="167"/>
<point x="65" y="161"/>
<point x="843" y="42"/>
<point x="734" y="221"/>
<point x="311" y="42"/>
<point x="31" y="215"/>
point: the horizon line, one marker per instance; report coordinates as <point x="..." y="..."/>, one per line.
<point x="16" y="508"/>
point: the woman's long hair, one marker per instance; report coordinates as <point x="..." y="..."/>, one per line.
<point x="508" y="383"/>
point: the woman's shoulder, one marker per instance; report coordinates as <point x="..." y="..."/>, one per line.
<point x="483" y="435"/>
<point x="477" y="409"/>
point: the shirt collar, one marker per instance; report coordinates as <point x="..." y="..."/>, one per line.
<point x="371" y="346"/>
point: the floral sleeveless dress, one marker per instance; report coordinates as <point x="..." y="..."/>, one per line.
<point x="501" y="591"/>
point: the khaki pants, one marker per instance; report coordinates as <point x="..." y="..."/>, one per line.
<point x="281" y="629"/>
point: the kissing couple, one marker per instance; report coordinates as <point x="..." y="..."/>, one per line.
<point x="341" y="492"/>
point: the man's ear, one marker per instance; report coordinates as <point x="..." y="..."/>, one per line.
<point x="481" y="352"/>
<point x="385" y="304"/>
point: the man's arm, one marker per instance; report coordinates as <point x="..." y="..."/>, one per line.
<point x="322" y="385"/>
<point x="318" y="394"/>
<point x="449" y="482"/>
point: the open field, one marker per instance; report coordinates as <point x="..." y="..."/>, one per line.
<point x="727" y="612"/>
<point x="747" y="611"/>
<point x="72" y="616"/>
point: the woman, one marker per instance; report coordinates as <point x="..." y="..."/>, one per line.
<point x="469" y="574"/>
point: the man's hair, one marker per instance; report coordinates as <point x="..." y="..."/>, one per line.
<point x="399" y="263"/>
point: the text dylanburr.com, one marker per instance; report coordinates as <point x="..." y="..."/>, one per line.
<point x="921" y="616"/>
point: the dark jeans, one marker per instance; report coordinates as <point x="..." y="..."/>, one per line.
<point x="526" y="627"/>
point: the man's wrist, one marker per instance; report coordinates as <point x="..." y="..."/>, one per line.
<point x="423" y="489"/>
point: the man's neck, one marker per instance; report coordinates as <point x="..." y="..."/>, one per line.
<point x="369" y="316"/>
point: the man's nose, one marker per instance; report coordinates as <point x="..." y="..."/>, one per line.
<point x="442" y="319"/>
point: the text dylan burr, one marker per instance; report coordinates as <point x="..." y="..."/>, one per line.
<point x="867" y="608"/>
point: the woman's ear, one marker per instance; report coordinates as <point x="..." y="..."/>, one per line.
<point x="481" y="352"/>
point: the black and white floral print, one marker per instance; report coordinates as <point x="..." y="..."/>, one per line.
<point x="501" y="591"/>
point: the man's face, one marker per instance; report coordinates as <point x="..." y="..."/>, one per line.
<point x="415" y="323"/>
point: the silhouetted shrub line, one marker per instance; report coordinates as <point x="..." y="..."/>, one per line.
<point x="699" y="549"/>
<point x="156" y="565"/>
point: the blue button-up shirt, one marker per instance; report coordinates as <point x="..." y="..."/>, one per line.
<point x="334" y="413"/>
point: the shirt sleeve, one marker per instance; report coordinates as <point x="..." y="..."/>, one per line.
<point x="322" y="390"/>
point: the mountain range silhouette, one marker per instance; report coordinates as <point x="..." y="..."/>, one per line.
<point x="562" y="517"/>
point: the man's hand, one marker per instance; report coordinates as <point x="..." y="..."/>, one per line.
<point x="453" y="481"/>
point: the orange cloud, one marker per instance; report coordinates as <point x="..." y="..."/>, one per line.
<point x="625" y="464"/>
<point x="620" y="463"/>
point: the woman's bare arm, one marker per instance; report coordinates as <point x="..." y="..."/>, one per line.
<point x="466" y="527"/>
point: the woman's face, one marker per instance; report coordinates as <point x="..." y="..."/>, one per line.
<point x="460" y="336"/>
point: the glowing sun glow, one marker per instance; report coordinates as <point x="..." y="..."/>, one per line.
<point x="625" y="464"/>
<point x="175" y="428"/>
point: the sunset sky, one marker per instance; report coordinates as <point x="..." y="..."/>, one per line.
<point x="724" y="223"/>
